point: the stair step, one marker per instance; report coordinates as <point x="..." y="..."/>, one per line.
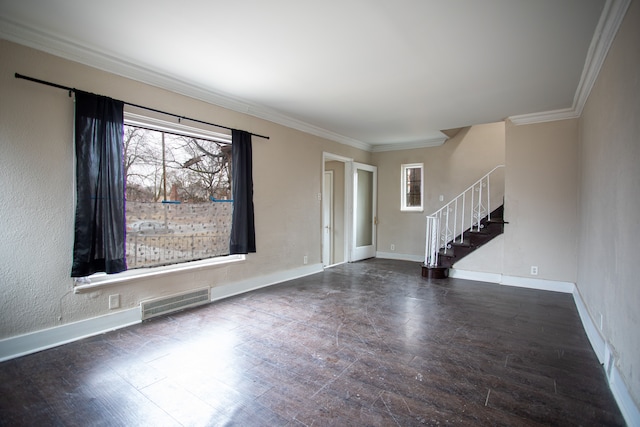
<point x="472" y="240"/>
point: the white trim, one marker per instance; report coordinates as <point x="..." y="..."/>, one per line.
<point x="475" y="275"/>
<point x="545" y="116"/>
<point x="596" y="340"/>
<point x="101" y="280"/>
<point x="521" y="282"/>
<point x="348" y="199"/>
<point x="620" y="392"/>
<point x="610" y="19"/>
<point x="47" y="338"/>
<point x="403" y="257"/>
<point x="540" y="284"/>
<point x="22" y="345"/>
<point x="618" y="387"/>
<point x="403" y="187"/>
<point x="147" y="121"/>
<point x="240" y="287"/>
<point x="23" y="34"/>
<point x="606" y="30"/>
<point x="433" y="142"/>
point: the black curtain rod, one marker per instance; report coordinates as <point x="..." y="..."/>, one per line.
<point x="71" y="89"/>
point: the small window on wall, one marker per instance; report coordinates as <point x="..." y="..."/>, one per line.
<point x="412" y="187"/>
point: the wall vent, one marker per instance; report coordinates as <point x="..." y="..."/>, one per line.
<point x="163" y="305"/>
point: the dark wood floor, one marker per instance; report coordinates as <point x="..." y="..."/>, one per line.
<point x="370" y="343"/>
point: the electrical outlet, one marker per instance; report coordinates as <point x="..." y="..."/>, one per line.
<point x="114" y="301"/>
<point x="441" y="198"/>
<point x="534" y="270"/>
<point x="393" y="247"/>
<point x="305" y="260"/>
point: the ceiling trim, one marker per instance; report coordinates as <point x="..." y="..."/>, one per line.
<point x="25" y="35"/>
<point x="606" y="30"/>
<point x="434" y="142"/>
<point x="610" y="20"/>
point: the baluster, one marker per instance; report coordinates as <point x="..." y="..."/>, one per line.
<point x="488" y="197"/>
<point x="473" y="195"/>
<point x="463" y="213"/>
<point x="479" y="203"/>
<point x="455" y="220"/>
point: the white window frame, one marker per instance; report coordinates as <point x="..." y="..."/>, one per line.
<point x="99" y="280"/>
<point x="403" y="187"/>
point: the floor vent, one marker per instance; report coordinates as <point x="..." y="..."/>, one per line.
<point x="171" y="303"/>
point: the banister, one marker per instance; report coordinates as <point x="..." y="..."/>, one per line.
<point x="441" y="229"/>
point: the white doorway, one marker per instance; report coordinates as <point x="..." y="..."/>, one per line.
<point x="349" y="210"/>
<point x="336" y="209"/>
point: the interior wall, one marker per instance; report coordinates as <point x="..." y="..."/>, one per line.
<point x="448" y="170"/>
<point x="541" y="200"/>
<point x="338" y="231"/>
<point x="37" y="193"/>
<point x="610" y="201"/>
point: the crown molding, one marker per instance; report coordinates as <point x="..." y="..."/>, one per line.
<point x="68" y="49"/>
<point x="606" y="30"/>
<point x="433" y="142"/>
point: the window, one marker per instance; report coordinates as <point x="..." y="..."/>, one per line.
<point x="412" y="192"/>
<point x="178" y="191"/>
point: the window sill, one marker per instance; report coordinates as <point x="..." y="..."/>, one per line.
<point x="102" y="280"/>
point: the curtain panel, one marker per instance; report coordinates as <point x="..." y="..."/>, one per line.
<point x="243" y="235"/>
<point x="99" y="242"/>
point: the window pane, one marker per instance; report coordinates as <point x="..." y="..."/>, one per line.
<point x="364" y="223"/>
<point x="413" y="187"/>
<point x="178" y="191"/>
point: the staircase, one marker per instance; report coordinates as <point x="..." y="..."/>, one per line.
<point x="445" y="244"/>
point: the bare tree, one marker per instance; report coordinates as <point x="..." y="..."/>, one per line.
<point x="198" y="168"/>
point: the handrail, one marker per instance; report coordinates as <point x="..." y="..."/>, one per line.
<point x="443" y="225"/>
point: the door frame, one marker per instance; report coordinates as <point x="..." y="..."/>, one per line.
<point x="348" y="203"/>
<point x="348" y="214"/>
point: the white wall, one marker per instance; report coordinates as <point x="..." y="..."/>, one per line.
<point x="448" y="170"/>
<point x="609" y="225"/>
<point x="541" y="203"/>
<point x="36" y="193"/>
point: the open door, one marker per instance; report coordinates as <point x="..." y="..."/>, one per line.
<point x="365" y="178"/>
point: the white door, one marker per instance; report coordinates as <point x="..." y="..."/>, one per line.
<point x="327" y="219"/>
<point x="365" y="219"/>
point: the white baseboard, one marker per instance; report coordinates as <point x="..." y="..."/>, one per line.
<point x="236" y="288"/>
<point x="33" y="342"/>
<point x="620" y="392"/>
<point x="47" y="338"/>
<point x="618" y="387"/>
<point x="596" y="340"/>
<point x="540" y="284"/>
<point x="475" y="275"/>
<point x="403" y="257"/>
<point x="521" y="282"/>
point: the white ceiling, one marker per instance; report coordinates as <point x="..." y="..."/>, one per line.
<point x="369" y="73"/>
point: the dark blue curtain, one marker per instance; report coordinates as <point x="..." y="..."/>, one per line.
<point x="99" y="243"/>
<point x="243" y="233"/>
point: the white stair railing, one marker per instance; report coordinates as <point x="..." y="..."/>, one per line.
<point x="449" y="223"/>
